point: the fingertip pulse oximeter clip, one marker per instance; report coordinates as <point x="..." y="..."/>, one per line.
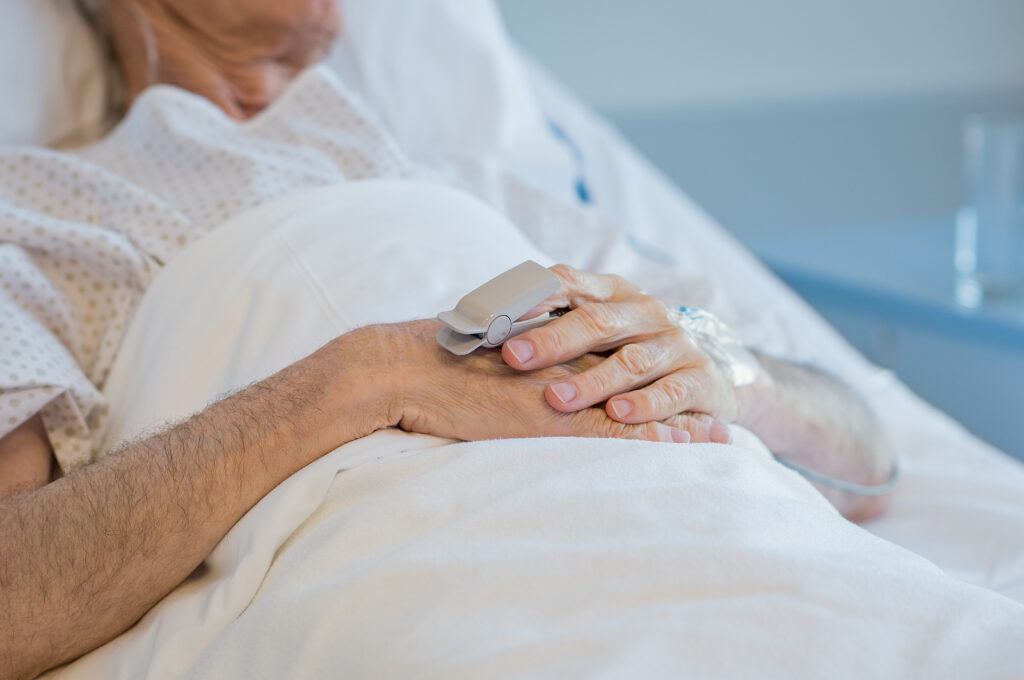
<point x="490" y="315"/>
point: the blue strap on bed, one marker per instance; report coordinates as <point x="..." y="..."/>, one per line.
<point x="580" y="184"/>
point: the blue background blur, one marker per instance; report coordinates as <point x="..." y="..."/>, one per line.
<point x="828" y="136"/>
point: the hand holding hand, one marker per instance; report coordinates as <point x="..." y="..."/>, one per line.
<point x="479" y="397"/>
<point x="654" y="372"/>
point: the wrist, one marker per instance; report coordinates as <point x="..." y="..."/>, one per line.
<point x="359" y="395"/>
<point x="752" y="401"/>
<point x="377" y="374"/>
<point x="775" y="412"/>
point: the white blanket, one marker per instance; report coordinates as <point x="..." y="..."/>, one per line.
<point x="404" y="555"/>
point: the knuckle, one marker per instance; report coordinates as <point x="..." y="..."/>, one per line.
<point x="674" y="392"/>
<point x="596" y="318"/>
<point x="651" y="432"/>
<point x="593" y="423"/>
<point x="665" y="400"/>
<point x="676" y="421"/>
<point x="656" y="403"/>
<point x="574" y="278"/>
<point x="698" y="430"/>
<point x="621" y="284"/>
<point x="564" y="272"/>
<point x="559" y="343"/>
<point x="635" y="360"/>
<point x="644" y="403"/>
<point x="679" y="337"/>
<point x="581" y="424"/>
<point x="617" y="430"/>
<point x="542" y="340"/>
<point x="654" y="307"/>
<point x="594" y="384"/>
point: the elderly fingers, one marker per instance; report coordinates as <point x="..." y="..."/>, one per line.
<point x="579" y="286"/>
<point x="593" y="327"/>
<point x="632" y="366"/>
<point x="679" y="392"/>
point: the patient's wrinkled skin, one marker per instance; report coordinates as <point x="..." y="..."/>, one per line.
<point x="655" y="371"/>
<point x="239" y="54"/>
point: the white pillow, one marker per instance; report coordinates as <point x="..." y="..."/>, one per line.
<point x="447" y="80"/>
<point x="53" y="76"/>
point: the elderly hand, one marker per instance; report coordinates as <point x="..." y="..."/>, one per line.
<point x="239" y="54"/>
<point x="654" y="372"/>
<point x="479" y="397"/>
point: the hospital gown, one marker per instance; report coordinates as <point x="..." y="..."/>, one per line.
<point x="82" y="234"/>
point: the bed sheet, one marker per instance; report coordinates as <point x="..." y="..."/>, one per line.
<point x="960" y="502"/>
<point x="401" y="554"/>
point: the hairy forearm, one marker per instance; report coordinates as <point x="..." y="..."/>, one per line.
<point x="88" y="555"/>
<point x="814" y="419"/>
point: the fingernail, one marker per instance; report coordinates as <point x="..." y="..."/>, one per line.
<point x="621" y="408"/>
<point x="680" y="436"/>
<point x="720" y="433"/>
<point x="565" y="392"/>
<point x="522" y="350"/>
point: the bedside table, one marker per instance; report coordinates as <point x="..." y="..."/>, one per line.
<point x="888" y="288"/>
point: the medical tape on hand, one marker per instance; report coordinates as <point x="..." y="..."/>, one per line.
<point x="720" y="343"/>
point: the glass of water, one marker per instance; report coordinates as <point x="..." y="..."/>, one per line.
<point x="990" y="226"/>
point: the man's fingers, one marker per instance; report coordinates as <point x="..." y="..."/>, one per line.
<point x="593" y="422"/>
<point x="592" y="327"/>
<point x="702" y="428"/>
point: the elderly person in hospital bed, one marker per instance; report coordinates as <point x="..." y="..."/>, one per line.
<point x="91" y="543"/>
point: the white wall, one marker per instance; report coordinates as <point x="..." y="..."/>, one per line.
<point x="643" y="54"/>
<point x="790" y="113"/>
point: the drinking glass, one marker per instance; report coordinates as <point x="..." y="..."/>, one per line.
<point x="990" y="226"/>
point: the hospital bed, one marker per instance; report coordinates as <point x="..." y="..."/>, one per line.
<point x="956" y="523"/>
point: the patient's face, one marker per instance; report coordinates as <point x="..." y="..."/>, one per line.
<point x="240" y="54"/>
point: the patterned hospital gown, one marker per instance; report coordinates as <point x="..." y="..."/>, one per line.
<point x="82" y="234"/>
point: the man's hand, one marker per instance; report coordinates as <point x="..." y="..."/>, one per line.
<point x="479" y="397"/>
<point x="86" y="556"/>
<point x="239" y="54"/>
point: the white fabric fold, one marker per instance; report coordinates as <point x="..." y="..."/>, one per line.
<point x="400" y="554"/>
